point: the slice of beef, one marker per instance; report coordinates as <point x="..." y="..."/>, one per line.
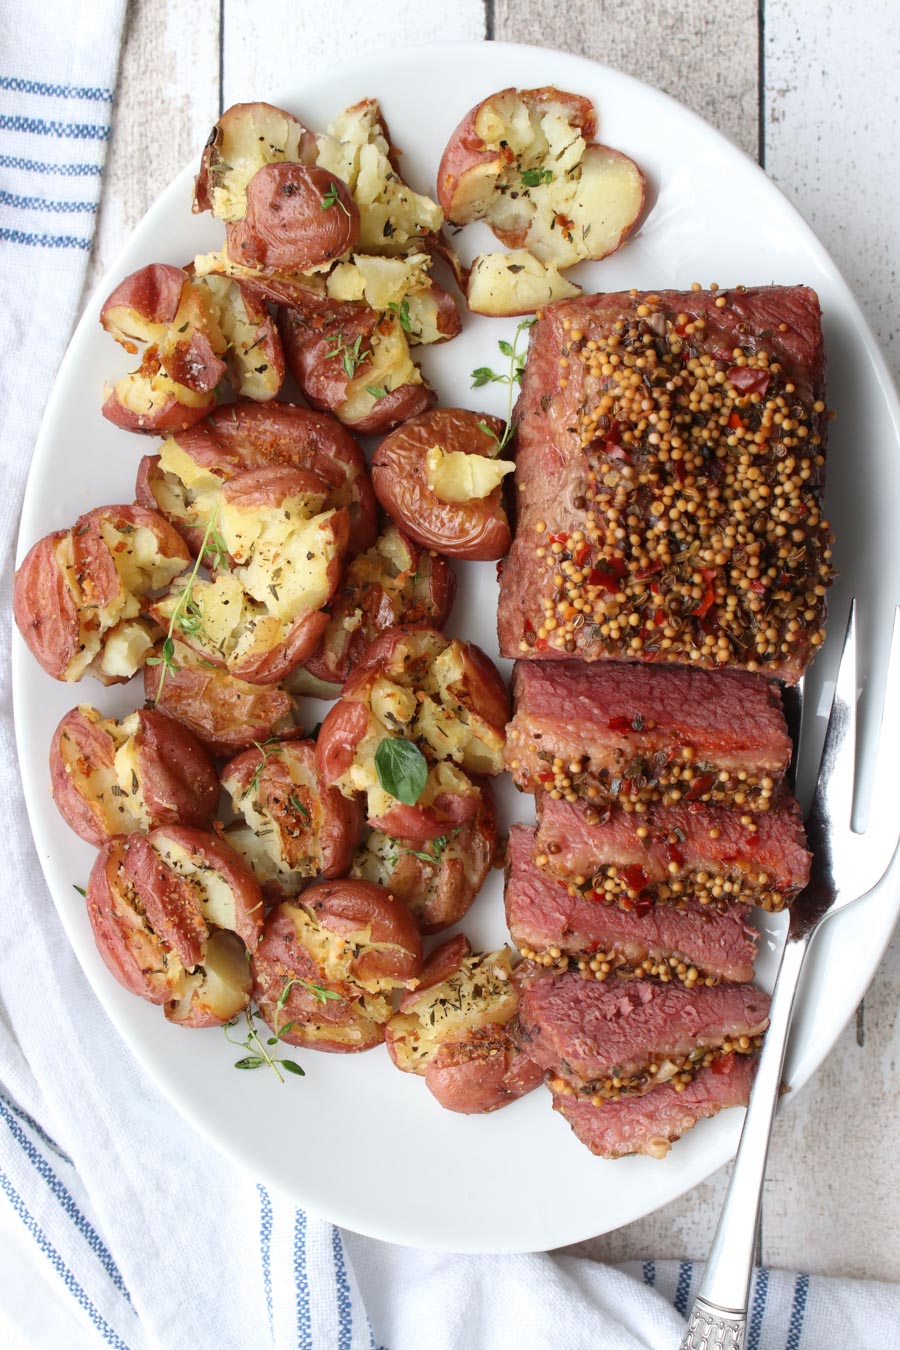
<point x="626" y="1036"/>
<point x="651" y="1124"/>
<point x="549" y="923"/>
<point x="668" y="853"/>
<point x="609" y="731"/>
<point x="670" y="469"/>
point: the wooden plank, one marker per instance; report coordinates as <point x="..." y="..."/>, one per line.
<point x="687" y="49"/>
<point x="167" y="99"/>
<point x="317" y="36"/>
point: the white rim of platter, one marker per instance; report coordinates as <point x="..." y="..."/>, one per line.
<point x="356" y="1141"/>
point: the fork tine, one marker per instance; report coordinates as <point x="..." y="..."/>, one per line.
<point x="882" y="827"/>
<point x="833" y="799"/>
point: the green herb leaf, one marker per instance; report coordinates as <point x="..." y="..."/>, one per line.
<point x="332" y="198"/>
<point x="81" y="891"/>
<point x="376" y="390"/>
<point x="402" y="769"/>
<point x="319" y="992"/>
<point x="249" y="1062"/>
<point x="402" y="312"/>
<point x="298" y="806"/>
<point x="534" y="177"/>
<point x="292" y="1067"/>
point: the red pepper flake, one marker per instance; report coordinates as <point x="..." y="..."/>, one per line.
<point x="620" y="724"/>
<point x="758" y="587"/>
<point x="660" y="617"/>
<point x="709" y="594"/>
<point x="723" y="1063"/>
<point x="748" y="379"/>
<point x="559" y="538"/>
<point x="700" y="787"/>
<point x="599" y="577"/>
<point x="634" y="877"/>
<point x="736" y="422"/>
<point x="541" y="644"/>
<point x="546" y="778"/>
<point x="581" y="553"/>
<point x="674" y="855"/>
<point x="648" y="572"/>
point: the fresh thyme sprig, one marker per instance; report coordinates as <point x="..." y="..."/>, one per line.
<point x="267" y="749"/>
<point x="402" y="313"/>
<point x="351" y="355"/>
<point x="512" y="378"/>
<point x="332" y="198"/>
<point x="257" y="1053"/>
<point x="534" y="177"/>
<point x="187" y="616"/>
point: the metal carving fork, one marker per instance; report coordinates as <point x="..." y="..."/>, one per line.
<point x="846" y="866"/>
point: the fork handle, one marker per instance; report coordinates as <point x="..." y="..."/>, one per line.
<point x="719" y="1315"/>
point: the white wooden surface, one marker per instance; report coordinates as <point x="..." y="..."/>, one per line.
<point x="809" y="88"/>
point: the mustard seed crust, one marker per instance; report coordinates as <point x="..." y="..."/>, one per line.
<point x="670" y="470"/>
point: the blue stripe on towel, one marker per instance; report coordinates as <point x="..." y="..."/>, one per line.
<point x="648" y="1273"/>
<point x="683" y="1288"/>
<point x="345" y="1307"/>
<point x="43" y="204"/>
<point x="106" y="1331"/>
<point x="798" y="1312"/>
<point x="44" y="240"/>
<point x="70" y="131"/>
<point x="301" y="1283"/>
<point x="757" y="1311"/>
<point x="55" y="90"/>
<point x="265" y="1246"/>
<point x="66" y="1201"/>
<point x="42" y="166"/>
<point x="36" y="1129"/>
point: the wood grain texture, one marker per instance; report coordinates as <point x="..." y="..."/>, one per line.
<point x="830" y="101"/>
<point x="682" y="47"/>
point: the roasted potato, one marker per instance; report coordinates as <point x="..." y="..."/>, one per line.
<point x="437" y="880"/>
<point x="184" y="481"/>
<point x="524" y="161"/>
<point x="296" y="217"/>
<point x="196" y="331"/>
<point x="392" y="583"/>
<point x="440" y="479"/>
<point x="114" y="777"/>
<point x="440" y="696"/>
<point x="247" y="137"/>
<point x="261" y="616"/>
<point x="328" y="961"/>
<point x="226" y="714"/>
<point x="454" y="1030"/>
<point x="514" y="283"/>
<point x="176" y="915"/>
<point x="80" y="594"/>
<point x="355" y="363"/>
<point x="293" y="827"/>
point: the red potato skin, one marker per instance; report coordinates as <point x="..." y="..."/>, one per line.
<point x="244" y="435"/>
<point x="478" y="529"/>
<point x="154" y="292"/>
<point x="209" y="851"/>
<point x="336" y="819"/>
<point x="110" y="932"/>
<point x="202" y="200"/>
<point x="341" y="732"/>
<point x="270" y="667"/>
<point x="170" y="417"/>
<point x="224" y="713"/>
<point x="287" y="223"/>
<point x="177" y="777"/>
<point x="343" y="907"/>
<point x="380" y="613"/>
<point x="438" y="966"/>
<point x="45" y="610"/>
<point x="466" y="150"/>
<point x="420" y="824"/>
<point x="322" y="379"/>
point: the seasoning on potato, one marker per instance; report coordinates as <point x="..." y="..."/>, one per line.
<point x="440" y="480"/>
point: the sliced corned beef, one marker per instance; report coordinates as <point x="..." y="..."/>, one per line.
<point x="651" y="1124"/>
<point x="608" y="731"/>
<point x="695" y="942"/>
<point x="668" y="853"/>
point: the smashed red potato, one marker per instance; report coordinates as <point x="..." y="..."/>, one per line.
<point x="454" y="1030"/>
<point x="524" y="161"/>
<point x="293" y="828"/>
<point x="80" y="594"/>
<point x="246" y="137"/>
<point x="440" y="478"/>
<point x="392" y="583"/>
<point x="176" y="915"/>
<point x="114" y="777"/>
<point x="225" y="714"/>
<point x="296" y="217"/>
<point x="260" y="615"/>
<point x="327" y="964"/>
<point x="501" y="284"/>
<point x="196" y="332"/>
<point x="355" y="364"/>
<point x="437" y="879"/>
<point x="441" y="693"/>
<point x="184" y="481"/>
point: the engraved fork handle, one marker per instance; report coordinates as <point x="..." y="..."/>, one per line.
<point x="719" y="1316"/>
